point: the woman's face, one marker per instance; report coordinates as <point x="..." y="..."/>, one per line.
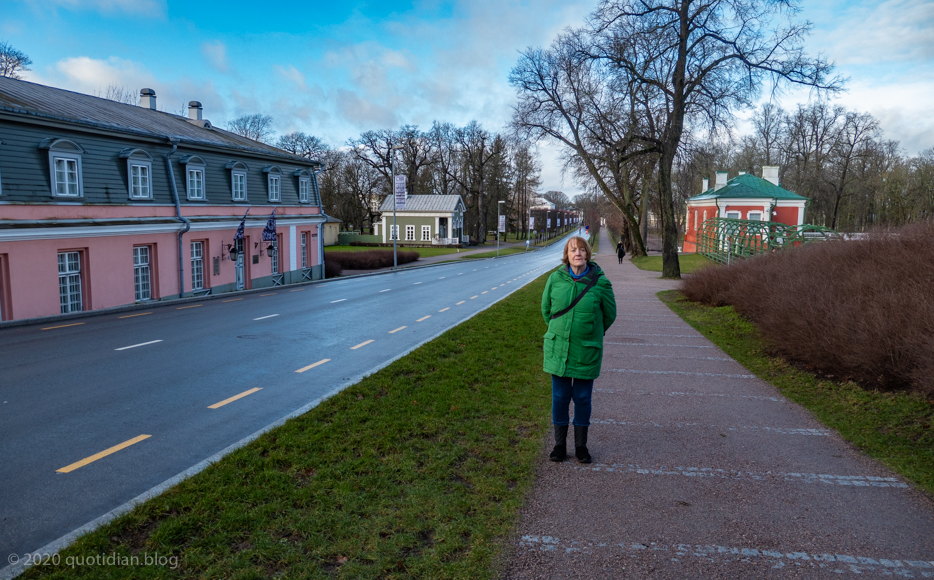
<point x="577" y="256"/>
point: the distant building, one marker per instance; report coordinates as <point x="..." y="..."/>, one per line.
<point x="104" y="204"/>
<point x="426" y="219"/>
<point x="744" y="197"/>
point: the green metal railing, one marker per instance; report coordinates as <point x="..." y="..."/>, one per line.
<point x="724" y="239"/>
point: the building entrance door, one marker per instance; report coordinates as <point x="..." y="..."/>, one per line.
<point x="442" y="228"/>
<point x="240" y="266"/>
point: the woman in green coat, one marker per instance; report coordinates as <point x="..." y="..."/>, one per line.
<point x="574" y="342"/>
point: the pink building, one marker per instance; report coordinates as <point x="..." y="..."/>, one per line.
<point x="105" y="204"/>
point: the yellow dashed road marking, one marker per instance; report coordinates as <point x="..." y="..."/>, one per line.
<point x="63" y="326"/>
<point x="459" y="303"/>
<point x="192" y="306"/>
<point x="443" y="309"/>
<point x="311" y="366"/>
<point x="102" y="454"/>
<point x="232" y="300"/>
<point x="397" y="330"/>
<point x="423" y="318"/>
<point x="361" y="344"/>
<point x="132" y="315"/>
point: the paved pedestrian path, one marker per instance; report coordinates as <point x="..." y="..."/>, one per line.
<point x="701" y="470"/>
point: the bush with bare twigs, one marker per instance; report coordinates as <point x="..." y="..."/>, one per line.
<point x="858" y="310"/>
<point x="369" y="259"/>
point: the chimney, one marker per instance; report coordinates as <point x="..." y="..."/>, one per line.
<point x="706" y="185"/>
<point x="721" y="180"/>
<point x="147" y="99"/>
<point x="770" y="173"/>
<point x="194" y="110"/>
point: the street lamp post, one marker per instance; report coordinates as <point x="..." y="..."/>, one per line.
<point x="392" y="188"/>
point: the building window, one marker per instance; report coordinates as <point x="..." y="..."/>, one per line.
<point x="195" y="183"/>
<point x="139" y="181"/>
<point x="755" y="216"/>
<point x="394" y="232"/>
<point x="410" y="233"/>
<point x="733" y="215"/>
<point x="426" y="233"/>
<point x="274" y="191"/>
<point x="66" y="175"/>
<point x="141" y="273"/>
<point x="695" y="219"/>
<point x="304" y="190"/>
<point x="239" y="186"/>
<point x="304" y="249"/>
<point x="197" y="265"/>
<point x="69" y="281"/>
<point x="274" y="258"/>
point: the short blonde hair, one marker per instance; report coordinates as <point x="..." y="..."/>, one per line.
<point x="578" y="243"/>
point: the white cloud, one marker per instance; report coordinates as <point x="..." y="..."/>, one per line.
<point x="292" y="75"/>
<point x="153" y="8"/>
<point x="216" y="54"/>
<point x="90" y="75"/>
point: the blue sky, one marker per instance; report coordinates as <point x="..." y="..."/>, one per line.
<point x="335" y="69"/>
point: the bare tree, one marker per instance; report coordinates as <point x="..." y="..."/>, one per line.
<point x="256" y="127"/>
<point x="120" y="94"/>
<point x="13" y="62"/>
<point x="302" y="144"/>
<point x="699" y="60"/>
<point x="559" y="198"/>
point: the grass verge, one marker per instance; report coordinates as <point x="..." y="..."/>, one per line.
<point x="423" y="252"/>
<point x="418" y="471"/>
<point x="688" y="262"/>
<point x="893" y="428"/>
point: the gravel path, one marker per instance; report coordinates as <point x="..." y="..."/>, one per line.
<point x="701" y="470"/>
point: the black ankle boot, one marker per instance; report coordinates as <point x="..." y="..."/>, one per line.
<point x="560" y="452"/>
<point x="580" y="444"/>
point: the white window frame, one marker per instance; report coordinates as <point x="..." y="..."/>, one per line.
<point x="142" y="273"/>
<point x="733" y="215"/>
<point x="69" y="279"/>
<point x="304" y="249"/>
<point x="274" y="259"/>
<point x="235" y="176"/>
<point x="274" y="186"/>
<point x="304" y="190"/>
<point x="410" y="233"/>
<point x="197" y="265"/>
<point x="195" y="169"/>
<point x="754" y="213"/>
<point x="54" y="158"/>
<point x="426" y="233"/>
<point x="131" y="182"/>
<point x="394" y="232"/>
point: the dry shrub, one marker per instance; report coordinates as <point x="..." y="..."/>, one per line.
<point x="369" y="259"/>
<point x="332" y="269"/>
<point x="860" y="310"/>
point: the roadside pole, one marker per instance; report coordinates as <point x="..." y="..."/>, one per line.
<point x="396" y="205"/>
<point x="500" y="225"/>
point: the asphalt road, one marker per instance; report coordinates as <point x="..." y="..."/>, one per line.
<point x="154" y="387"/>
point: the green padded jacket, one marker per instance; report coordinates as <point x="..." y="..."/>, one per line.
<point x="574" y="342"/>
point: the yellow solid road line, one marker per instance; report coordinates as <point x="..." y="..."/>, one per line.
<point x="102" y="454"/>
<point x="443" y="309"/>
<point x="423" y="318"/>
<point x="297" y="290"/>
<point x="270" y="294"/>
<point x="234" y="398"/>
<point x="232" y="300"/>
<point x="192" y="306"/>
<point x="132" y="315"/>
<point x="459" y="303"/>
<point x="63" y="326"/>
<point x="397" y="330"/>
<point x="361" y="344"/>
<point x="320" y="362"/>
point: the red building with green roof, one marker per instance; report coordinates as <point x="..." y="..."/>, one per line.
<point x="744" y="197"/>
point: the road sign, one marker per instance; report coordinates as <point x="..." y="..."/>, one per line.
<point x="400" y="192"/>
<point x="502" y="223"/>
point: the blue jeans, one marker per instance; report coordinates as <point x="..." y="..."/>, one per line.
<point x="563" y="389"/>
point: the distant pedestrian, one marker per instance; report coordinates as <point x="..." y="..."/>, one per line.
<point x="620" y="251"/>
<point x="579" y="306"/>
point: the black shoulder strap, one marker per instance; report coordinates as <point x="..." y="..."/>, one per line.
<point x="590" y="284"/>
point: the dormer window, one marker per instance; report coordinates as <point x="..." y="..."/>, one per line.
<point x="64" y="167"/>
<point x="304" y="185"/>
<point x="274" y="183"/>
<point x="238" y="171"/>
<point x="194" y="177"/>
<point x="139" y="173"/>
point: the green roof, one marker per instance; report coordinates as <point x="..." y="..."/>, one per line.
<point x="747" y="186"/>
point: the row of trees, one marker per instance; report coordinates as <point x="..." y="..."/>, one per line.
<point x="623" y="93"/>
<point x="484" y="168"/>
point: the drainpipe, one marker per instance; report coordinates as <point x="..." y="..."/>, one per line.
<point x="178" y="214"/>
<point x="321" y="225"/>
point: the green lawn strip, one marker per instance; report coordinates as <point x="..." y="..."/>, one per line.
<point x="423" y="252"/>
<point x="418" y="471"/>
<point x="502" y="252"/>
<point x="688" y="262"/>
<point x="893" y="428"/>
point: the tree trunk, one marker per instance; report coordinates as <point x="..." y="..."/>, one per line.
<point x="670" y="265"/>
